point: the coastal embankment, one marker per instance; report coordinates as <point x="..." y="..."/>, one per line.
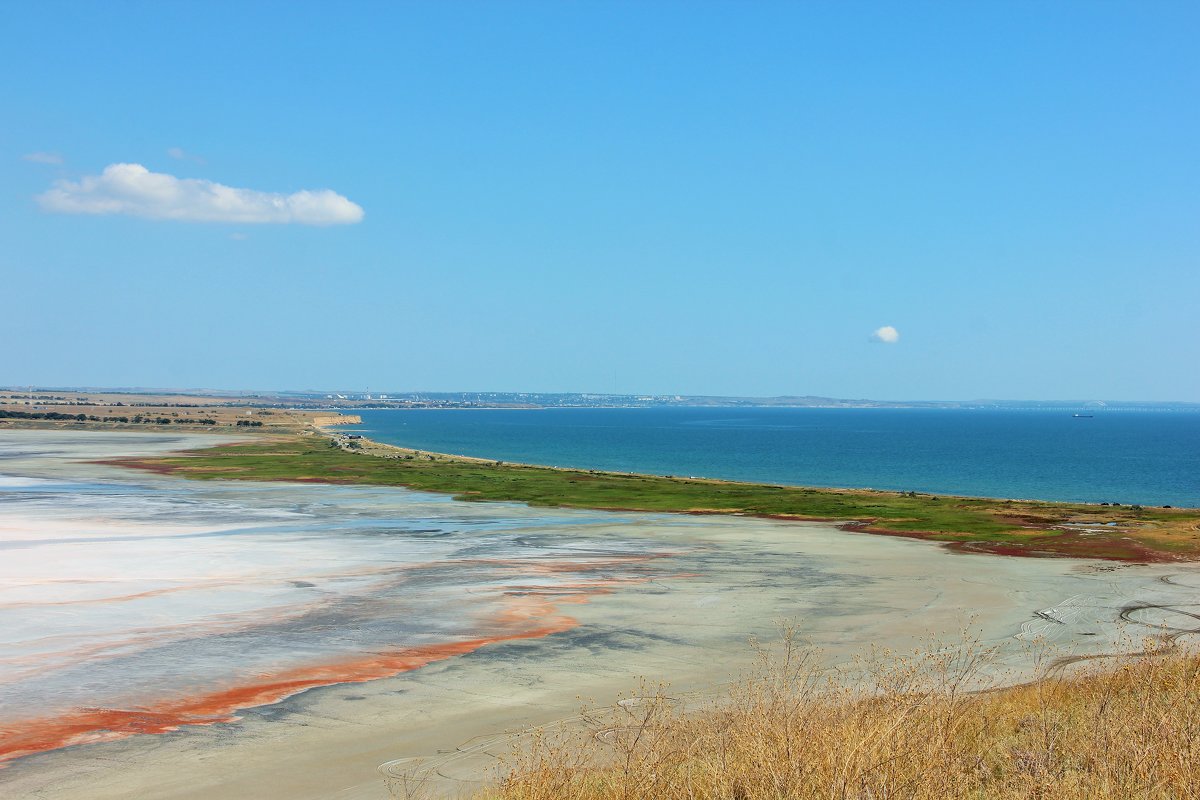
<point x="328" y="421"/>
<point x="1126" y="533"/>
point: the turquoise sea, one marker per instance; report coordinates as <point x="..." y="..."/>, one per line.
<point x="1148" y="457"/>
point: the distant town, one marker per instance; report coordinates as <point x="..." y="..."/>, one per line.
<point x="12" y="397"/>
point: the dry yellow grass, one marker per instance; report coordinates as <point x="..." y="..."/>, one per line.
<point x="912" y="730"/>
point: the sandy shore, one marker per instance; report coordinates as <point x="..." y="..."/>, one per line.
<point x="722" y="581"/>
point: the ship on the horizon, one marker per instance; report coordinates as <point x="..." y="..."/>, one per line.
<point x="1083" y="416"/>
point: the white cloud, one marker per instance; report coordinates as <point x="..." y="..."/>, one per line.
<point x="134" y="190"/>
<point x="43" y="158"/>
<point x="887" y="334"/>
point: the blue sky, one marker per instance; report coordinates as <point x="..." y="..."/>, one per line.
<point x="703" y="198"/>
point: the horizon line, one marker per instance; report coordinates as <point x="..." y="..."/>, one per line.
<point x="648" y="396"/>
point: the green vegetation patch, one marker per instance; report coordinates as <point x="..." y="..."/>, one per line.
<point x="1003" y="526"/>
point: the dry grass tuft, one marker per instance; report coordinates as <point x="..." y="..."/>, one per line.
<point x="914" y="729"/>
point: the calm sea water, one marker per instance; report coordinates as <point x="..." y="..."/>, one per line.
<point x="1121" y="456"/>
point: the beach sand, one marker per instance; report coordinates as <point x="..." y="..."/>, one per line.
<point x="684" y="617"/>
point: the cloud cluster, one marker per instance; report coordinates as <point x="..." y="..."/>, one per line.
<point x="134" y="190"/>
<point x="887" y="334"/>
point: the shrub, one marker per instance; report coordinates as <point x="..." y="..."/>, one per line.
<point x="913" y="729"/>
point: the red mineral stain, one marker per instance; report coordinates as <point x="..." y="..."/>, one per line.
<point x="529" y="613"/>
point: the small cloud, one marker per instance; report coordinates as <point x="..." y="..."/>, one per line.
<point x="887" y="334"/>
<point x="180" y="154"/>
<point x="43" y="158"/>
<point x="136" y="191"/>
<point x="238" y="236"/>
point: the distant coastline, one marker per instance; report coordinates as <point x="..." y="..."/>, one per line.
<point x="297" y="445"/>
<point x="1133" y="534"/>
<point x="351" y="399"/>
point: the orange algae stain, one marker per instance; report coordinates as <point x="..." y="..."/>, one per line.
<point x="92" y="725"/>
